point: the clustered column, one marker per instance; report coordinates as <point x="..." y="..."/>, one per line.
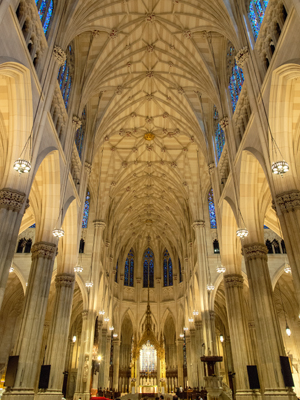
<point x="234" y="284"/>
<point x="269" y="339"/>
<point x="32" y="325"/>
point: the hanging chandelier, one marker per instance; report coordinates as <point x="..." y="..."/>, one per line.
<point x="22" y="166"/>
<point x="58" y="233"/>
<point x="11" y="269"/>
<point x="89" y="284"/>
<point x="102" y="312"/>
<point x="78" y="269"/>
<point x="221" y="269"/>
<point x="195" y="312"/>
<point x="287" y="329"/>
<point x="191" y="319"/>
<point x="280" y="167"/>
<point x="287" y="269"/>
<point x="210" y="287"/>
<point x="181" y="335"/>
<point x="106" y="319"/>
<point x="242" y="233"/>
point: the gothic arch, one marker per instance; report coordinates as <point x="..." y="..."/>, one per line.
<point x="16" y="122"/>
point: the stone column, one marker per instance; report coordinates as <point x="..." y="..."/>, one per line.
<point x="188" y="360"/>
<point x="31" y="333"/>
<point x="193" y="358"/>
<point x="84" y="372"/>
<point x="103" y="358"/>
<point x="180" y="361"/>
<point x="199" y="227"/>
<point x="12" y="206"/>
<point x="289" y="216"/>
<point x="269" y="339"/>
<point x="58" y="337"/>
<point x="199" y="341"/>
<point x="107" y="360"/>
<point x="116" y="363"/>
<point x="238" y="327"/>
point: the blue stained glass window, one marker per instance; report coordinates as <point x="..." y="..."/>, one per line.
<point x="79" y="138"/>
<point x="65" y="79"/>
<point x="129" y="269"/>
<point x="256" y="13"/>
<point x="235" y="84"/>
<point x="117" y="270"/>
<point x="86" y="210"/>
<point x="180" y="273"/>
<point x="168" y="269"/>
<point x="131" y="272"/>
<point x="219" y="135"/>
<point x="212" y="209"/>
<point x="148" y="268"/>
<point x="33" y="226"/>
<point x="45" y="9"/>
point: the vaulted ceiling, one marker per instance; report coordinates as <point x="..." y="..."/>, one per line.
<point x="150" y="67"/>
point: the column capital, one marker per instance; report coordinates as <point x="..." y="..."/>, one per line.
<point x="88" y="168"/>
<point x="99" y="224"/>
<point x="43" y="250"/>
<point x="76" y="122"/>
<point x="11" y="199"/>
<point x="224" y="122"/>
<point x="255" y="250"/>
<point x="288" y="201"/>
<point x="64" y="280"/>
<point x="211" y="167"/>
<point x="234" y="280"/>
<point x="198" y="224"/>
<point x="212" y="315"/>
<point x="85" y="314"/>
<point x="241" y="56"/>
<point x="59" y="55"/>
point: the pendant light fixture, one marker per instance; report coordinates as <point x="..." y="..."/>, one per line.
<point x="278" y="165"/>
<point x="287" y="328"/>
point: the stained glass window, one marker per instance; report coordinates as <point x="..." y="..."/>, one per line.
<point x="180" y="273"/>
<point x="45" y="9"/>
<point x="256" y="13"/>
<point x="129" y="269"/>
<point x="168" y="269"/>
<point x="148" y="268"/>
<point x="79" y="138"/>
<point x="65" y="78"/>
<point x="212" y="210"/>
<point x="236" y="81"/>
<point x="117" y="268"/>
<point x="219" y="134"/>
<point x="86" y="210"/>
<point x="148" y="358"/>
<point x="33" y="226"/>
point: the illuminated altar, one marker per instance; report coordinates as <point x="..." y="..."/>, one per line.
<point x="148" y="369"/>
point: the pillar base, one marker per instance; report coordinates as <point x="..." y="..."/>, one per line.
<point x="82" y="396"/>
<point x="248" y="394"/>
<point x="49" y="395"/>
<point x="19" y="394"/>
<point x="287" y="394"/>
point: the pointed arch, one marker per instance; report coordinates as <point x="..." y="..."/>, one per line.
<point x="148" y="269"/>
<point x="129" y="269"/>
<point x="167" y="269"/>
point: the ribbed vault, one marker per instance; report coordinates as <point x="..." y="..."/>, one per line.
<point x="150" y="67"/>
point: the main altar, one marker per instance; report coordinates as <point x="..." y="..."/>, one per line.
<point x="148" y="368"/>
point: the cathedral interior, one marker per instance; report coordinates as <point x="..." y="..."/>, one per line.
<point x="149" y="199"/>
